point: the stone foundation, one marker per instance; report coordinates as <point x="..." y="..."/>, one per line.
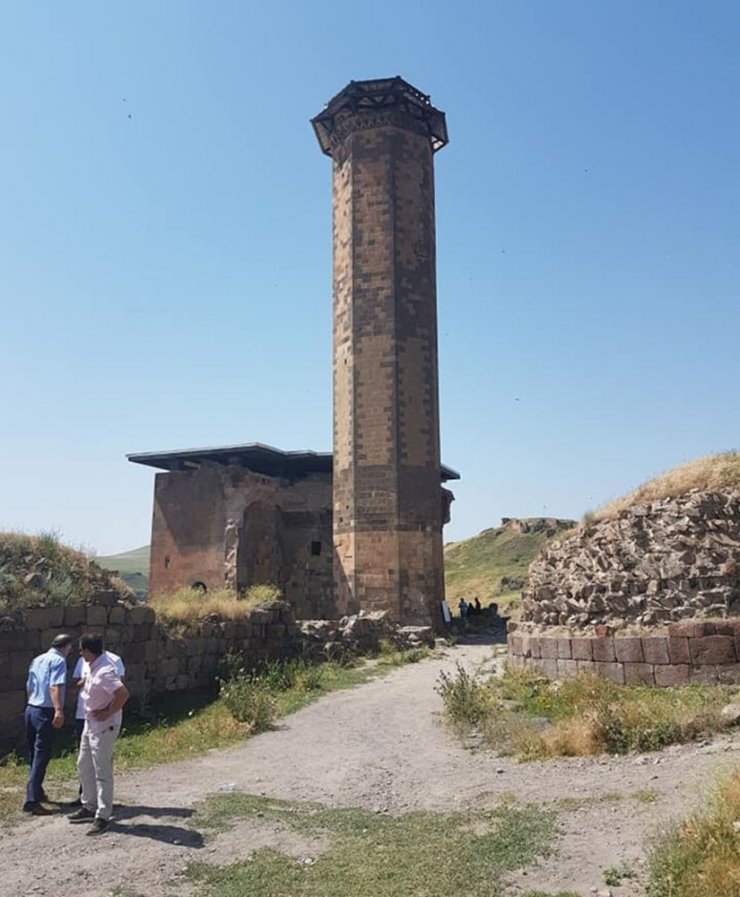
<point x="683" y="653"/>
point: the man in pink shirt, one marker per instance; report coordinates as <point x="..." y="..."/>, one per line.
<point x="104" y="695"/>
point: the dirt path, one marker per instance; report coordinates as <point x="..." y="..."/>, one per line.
<point x="379" y="746"/>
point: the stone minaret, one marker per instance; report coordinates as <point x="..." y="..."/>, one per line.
<point x="387" y="504"/>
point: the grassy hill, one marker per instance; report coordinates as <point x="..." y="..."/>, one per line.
<point x="132" y="567"/>
<point x="491" y="564"/>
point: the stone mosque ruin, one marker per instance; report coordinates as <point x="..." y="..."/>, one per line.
<point x="360" y="528"/>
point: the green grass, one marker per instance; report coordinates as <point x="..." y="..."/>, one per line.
<point x="419" y="854"/>
<point x="134" y="561"/>
<point x="701" y="857"/>
<point x="550" y="894"/>
<point x="582" y="716"/>
<point x="475" y="567"/>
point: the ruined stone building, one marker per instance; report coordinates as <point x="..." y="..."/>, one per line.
<point x="361" y="529"/>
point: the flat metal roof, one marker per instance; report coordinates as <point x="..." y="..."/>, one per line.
<point x="254" y="456"/>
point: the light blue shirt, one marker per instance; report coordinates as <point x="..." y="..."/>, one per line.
<point x="46" y="670"/>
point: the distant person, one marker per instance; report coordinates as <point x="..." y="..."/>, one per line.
<point x="478" y="608"/>
<point x="81" y="672"/>
<point x="446" y="615"/>
<point x="45" y="686"/>
<point x="463" y="608"/>
<point x="104" y="696"/>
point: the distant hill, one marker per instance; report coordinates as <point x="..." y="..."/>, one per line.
<point x="132" y="566"/>
<point x="495" y="562"/>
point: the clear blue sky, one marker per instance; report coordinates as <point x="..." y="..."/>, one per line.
<point x="165" y="242"/>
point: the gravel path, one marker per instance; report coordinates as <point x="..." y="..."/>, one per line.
<point x="380" y="746"/>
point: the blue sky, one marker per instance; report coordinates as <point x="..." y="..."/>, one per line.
<point x="165" y="242"/>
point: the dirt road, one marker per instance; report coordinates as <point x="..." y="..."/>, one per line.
<point x="379" y="746"/>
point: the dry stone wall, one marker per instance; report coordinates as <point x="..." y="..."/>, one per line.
<point x="656" y="562"/>
<point x="650" y="596"/>
<point x="162" y="659"/>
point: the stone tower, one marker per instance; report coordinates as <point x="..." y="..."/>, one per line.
<point x="387" y="499"/>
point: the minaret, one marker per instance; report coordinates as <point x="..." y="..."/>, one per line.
<point x="387" y="497"/>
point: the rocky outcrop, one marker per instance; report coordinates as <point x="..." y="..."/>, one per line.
<point x="655" y="562"/>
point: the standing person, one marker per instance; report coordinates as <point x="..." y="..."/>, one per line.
<point x="47" y="677"/>
<point x="81" y="672"/>
<point x="104" y="695"/>
<point x="463" y="608"/>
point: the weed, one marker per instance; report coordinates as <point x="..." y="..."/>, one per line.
<point x="250" y="702"/>
<point x="614" y="875"/>
<point x="587" y="715"/>
<point x="646" y="795"/>
<point x="187" y="605"/>
<point x="466" y="699"/>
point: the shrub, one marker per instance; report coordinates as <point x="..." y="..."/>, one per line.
<point x="249" y="702"/>
<point x="466" y="699"/>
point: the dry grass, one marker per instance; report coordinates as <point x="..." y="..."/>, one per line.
<point x="712" y="472"/>
<point x="534" y="719"/>
<point x="189" y="605"/>
<point x="701" y="858"/>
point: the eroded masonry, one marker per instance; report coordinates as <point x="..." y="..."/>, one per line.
<point x="361" y="528"/>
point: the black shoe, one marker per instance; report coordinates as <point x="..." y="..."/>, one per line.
<point x="74" y="803"/>
<point x="98" y="827"/>
<point x="82" y="815"/>
<point x="35" y="809"/>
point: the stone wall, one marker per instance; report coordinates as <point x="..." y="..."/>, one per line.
<point x="163" y="659"/>
<point x="229" y="527"/>
<point x="654" y="563"/>
<point x="684" y="653"/>
<point x="158" y="659"/>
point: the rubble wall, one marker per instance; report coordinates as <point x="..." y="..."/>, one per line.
<point x="655" y="563"/>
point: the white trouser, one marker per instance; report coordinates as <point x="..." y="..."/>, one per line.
<point x="95" y="767"/>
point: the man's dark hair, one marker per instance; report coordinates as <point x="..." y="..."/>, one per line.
<point x="92" y="643"/>
<point x="61" y="640"/>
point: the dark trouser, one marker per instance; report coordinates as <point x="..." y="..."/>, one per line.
<point x="39" y="735"/>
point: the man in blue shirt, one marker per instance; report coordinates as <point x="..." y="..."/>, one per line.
<point x="47" y="677"/>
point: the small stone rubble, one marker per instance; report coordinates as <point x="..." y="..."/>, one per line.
<point x="656" y="562"/>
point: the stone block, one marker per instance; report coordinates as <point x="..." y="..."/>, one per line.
<point x="19" y="663"/>
<point x="603" y="649"/>
<point x="75" y="615"/>
<point x="515" y="645"/>
<point x="37" y="618"/>
<point x="690" y="629"/>
<point x="548" y="648"/>
<point x="548" y="667"/>
<point x="629" y="650"/>
<point x="671" y="675"/>
<point x="117" y="615"/>
<point x="586" y="666"/>
<point x="655" y="650"/>
<point x="12" y="704"/>
<point x="534" y="646"/>
<point x="96" y="616"/>
<point x="703" y="675"/>
<point x="582" y="648"/>
<point x="138" y="615"/>
<point x="729" y="673"/>
<point x="567" y="669"/>
<point x="612" y="671"/>
<point x="564" y="649"/>
<point x="276" y="632"/>
<point x="712" y="649"/>
<point x="639" y="673"/>
<point x="142" y="632"/>
<point x="678" y="650"/>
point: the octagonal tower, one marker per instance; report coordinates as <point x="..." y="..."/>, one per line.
<point x="387" y="500"/>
